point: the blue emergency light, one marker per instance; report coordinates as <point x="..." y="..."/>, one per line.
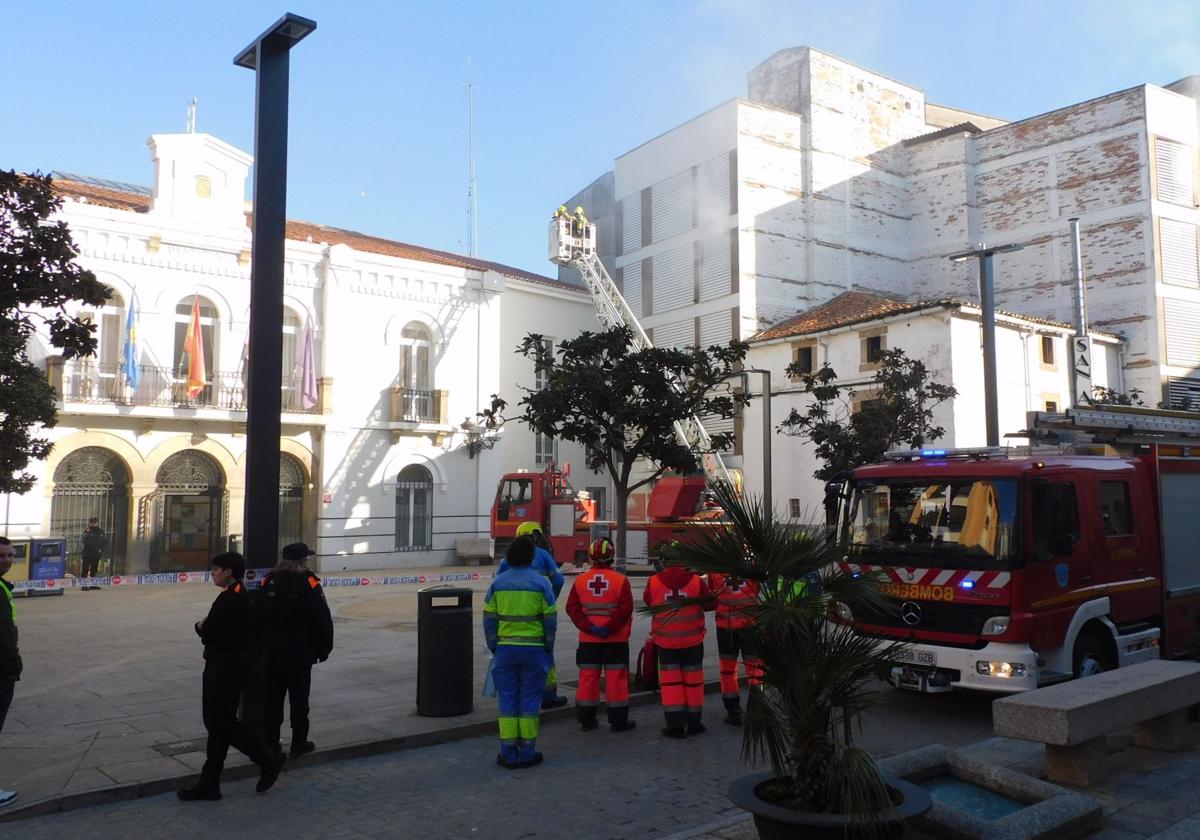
<point x="967" y="584"/>
<point x="932" y="453"/>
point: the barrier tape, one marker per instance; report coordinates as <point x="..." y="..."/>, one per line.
<point x="251" y="580"/>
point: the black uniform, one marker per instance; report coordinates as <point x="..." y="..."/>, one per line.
<point x="10" y="656"/>
<point x="94" y="543"/>
<point x="228" y="636"/>
<point x="294" y="630"/>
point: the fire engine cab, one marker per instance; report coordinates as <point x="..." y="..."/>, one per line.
<point x="1005" y="571"/>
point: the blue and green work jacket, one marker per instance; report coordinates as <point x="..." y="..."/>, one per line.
<point x="519" y="610"/>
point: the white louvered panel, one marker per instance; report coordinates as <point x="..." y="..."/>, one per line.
<point x="716" y="328"/>
<point x="712" y="184"/>
<point x="632" y="291"/>
<point x="671" y="207"/>
<point x="674" y="284"/>
<point x="1180" y="260"/>
<point x="714" y="267"/>
<point x="1173" y="167"/>
<point x="631" y="212"/>
<point x="681" y="334"/>
<point x="1183" y="332"/>
<point x="1183" y="394"/>
<point x="715" y="425"/>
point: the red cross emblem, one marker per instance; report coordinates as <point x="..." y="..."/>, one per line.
<point x="598" y="585"/>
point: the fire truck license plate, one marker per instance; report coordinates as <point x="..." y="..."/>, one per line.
<point x="917" y="657"/>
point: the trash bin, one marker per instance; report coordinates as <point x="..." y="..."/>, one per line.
<point x="445" y="651"/>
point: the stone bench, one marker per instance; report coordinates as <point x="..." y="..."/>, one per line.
<point x="1072" y="719"/>
<point x="473" y="552"/>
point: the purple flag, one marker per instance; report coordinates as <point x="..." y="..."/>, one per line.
<point x="308" y="370"/>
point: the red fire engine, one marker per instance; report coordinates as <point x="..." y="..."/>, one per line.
<point x="1005" y="572"/>
<point x="676" y="507"/>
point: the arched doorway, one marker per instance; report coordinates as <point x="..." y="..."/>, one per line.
<point x="291" y="499"/>
<point x="414" y="509"/>
<point x="92" y="481"/>
<point x="186" y="513"/>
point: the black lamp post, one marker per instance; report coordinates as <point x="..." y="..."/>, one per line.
<point x="987" y="306"/>
<point x="267" y="55"/>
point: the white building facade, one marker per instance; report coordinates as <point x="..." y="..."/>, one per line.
<point x="407" y="343"/>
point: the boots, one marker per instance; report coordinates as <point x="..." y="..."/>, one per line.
<point x="694" y="726"/>
<point x="586" y="715"/>
<point x="618" y="719"/>
<point x="733" y="712"/>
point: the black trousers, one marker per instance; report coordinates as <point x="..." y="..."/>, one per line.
<point x="89" y="567"/>
<point x="295" y="682"/>
<point x="223" y="686"/>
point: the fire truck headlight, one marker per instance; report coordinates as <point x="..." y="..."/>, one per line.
<point x="996" y="626"/>
<point x="1004" y="670"/>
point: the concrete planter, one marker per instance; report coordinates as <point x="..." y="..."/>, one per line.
<point x="776" y="823"/>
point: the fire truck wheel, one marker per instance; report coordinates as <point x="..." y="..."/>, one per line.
<point x="1091" y="657"/>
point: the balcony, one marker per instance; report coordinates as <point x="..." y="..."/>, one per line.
<point x="415" y="411"/>
<point x="91" y="382"/>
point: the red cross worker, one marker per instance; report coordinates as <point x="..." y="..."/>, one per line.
<point x="601" y="606"/>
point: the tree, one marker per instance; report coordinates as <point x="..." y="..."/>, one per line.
<point x="1107" y="396"/>
<point x="38" y="278"/>
<point x="622" y="404"/>
<point x="899" y="412"/>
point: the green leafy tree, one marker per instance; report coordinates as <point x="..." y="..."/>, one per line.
<point x="898" y="413"/>
<point x="622" y="404"/>
<point x="38" y="278"/>
<point x="1107" y="396"/>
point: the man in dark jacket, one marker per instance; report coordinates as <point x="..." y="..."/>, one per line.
<point x="10" y="656"/>
<point x="94" y="543"/>
<point x="228" y="636"/>
<point x="294" y="630"/>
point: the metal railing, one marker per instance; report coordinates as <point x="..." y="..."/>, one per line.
<point x="89" y="381"/>
<point x="413" y="406"/>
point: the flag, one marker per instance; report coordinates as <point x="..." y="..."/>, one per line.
<point x="193" y="345"/>
<point x="131" y="368"/>
<point x="308" y="370"/>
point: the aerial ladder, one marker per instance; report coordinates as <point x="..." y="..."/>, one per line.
<point x="573" y="244"/>
<point x="1116" y="426"/>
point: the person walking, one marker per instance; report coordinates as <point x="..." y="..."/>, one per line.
<point x="228" y="636"/>
<point x="600" y="604"/>
<point x="544" y="563"/>
<point x="294" y="631"/>
<point x="678" y="634"/>
<point x="735" y="600"/>
<point x="10" y="654"/>
<point x="519" y="624"/>
<point x="94" y="543"/>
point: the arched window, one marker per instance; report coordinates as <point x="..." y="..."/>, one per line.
<point x="291" y="499"/>
<point x="88" y="482"/>
<point x="292" y="348"/>
<point x="97" y="377"/>
<point x="209" y="325"/>
<point x="415" y="346"/>
<point x="414" y="509"/>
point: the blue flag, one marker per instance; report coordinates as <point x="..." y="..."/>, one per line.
<point x="131" y="369"/>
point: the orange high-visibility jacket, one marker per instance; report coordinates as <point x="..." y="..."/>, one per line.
<point x="734" y="595"/>
<point x="601" y="596"/>
<point x="683" y="627"/>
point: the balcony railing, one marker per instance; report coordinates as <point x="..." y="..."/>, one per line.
<point x="88" y="381"/>
<point x="412" y="406"/>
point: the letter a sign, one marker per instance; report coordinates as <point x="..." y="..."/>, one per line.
<point x="1081" y="361"/>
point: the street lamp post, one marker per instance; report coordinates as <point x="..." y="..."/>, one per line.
<point x="987" y="306"/>
<point x="267" y="56"/>
<point x="768" y="509"/>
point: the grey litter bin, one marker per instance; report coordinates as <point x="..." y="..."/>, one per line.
<point x="445" y="651"/>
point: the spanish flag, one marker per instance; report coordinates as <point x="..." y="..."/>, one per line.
<point x="193" y="345"/>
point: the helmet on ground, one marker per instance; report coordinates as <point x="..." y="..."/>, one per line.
<point x="528" y="529"/>
<point x="600" y="551"/>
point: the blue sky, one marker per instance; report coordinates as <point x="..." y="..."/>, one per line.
<point x="379" y="102"/>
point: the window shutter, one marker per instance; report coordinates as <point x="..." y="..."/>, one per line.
<point x="1183" y="394"/>
<point x="673" y="279"/>
<point x="632" y="286"/>
<point x="631" y="216"/>
<point x="1173" y="167"/>
<point x="1180" y="259"/>
<point x="671" y="206"/>
<point x="1183" y="332"/>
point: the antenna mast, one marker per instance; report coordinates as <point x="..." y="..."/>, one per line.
<point x="472" y="202"/>
<point x="191" y="116"/>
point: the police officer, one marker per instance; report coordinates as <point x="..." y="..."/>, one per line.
<point x="294" y="631"/>
<point x="228" y="636"/>
<point x="519" y="624"/>
<point x="601" y="606"/>
<point x="678" y="634"/>
<point x="543" y="563"/>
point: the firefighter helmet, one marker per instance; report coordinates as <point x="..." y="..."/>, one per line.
<point x="579" y="211"/>
<point x="600" y="551"/>
<point x="528" y="529"/>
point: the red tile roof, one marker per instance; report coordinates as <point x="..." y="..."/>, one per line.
<point x="851" y="308"/>
<point x="300" y="231"/>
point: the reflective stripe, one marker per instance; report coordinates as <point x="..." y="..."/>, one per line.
<point x="519" y="617"/>
<point x="527" y="641"/>
<point x="12" y="607"/>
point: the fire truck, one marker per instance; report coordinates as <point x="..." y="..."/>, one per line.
<point x="1004" y="571"/>
<point x="676" y="507"/>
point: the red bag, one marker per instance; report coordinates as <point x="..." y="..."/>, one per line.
<point x="647" y="666"/>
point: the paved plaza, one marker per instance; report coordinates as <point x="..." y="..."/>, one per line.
<point x="106" y="723"/>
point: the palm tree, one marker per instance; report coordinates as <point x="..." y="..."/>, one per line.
<point x="818" y="674"/>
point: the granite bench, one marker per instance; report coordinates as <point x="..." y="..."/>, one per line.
<point x="1073" y="719"/>
<point x="473" y="551"/>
